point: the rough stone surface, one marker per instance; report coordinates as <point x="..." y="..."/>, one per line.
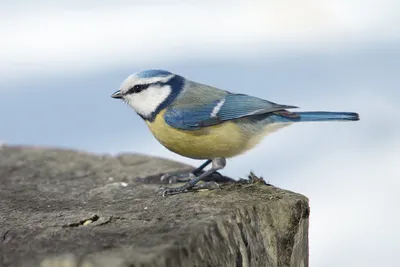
<point x="67" y="208"/>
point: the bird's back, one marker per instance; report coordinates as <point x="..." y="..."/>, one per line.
<point x="197" y="94"/>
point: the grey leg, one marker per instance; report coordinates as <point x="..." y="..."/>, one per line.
<point x="184" y="177"/>
<point x="201" y="167"/>
<point x="217" y="164"/>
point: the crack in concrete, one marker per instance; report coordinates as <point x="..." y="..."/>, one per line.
<point x="83" y="222"/>
<point x="7" y="236"/>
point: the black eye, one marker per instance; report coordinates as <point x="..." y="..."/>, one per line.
<point x="138" y="88"/>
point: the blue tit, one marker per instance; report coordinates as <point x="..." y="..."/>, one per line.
<point x="203" y="122"/>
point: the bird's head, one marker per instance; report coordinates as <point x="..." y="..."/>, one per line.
<point x="150" y="91"/>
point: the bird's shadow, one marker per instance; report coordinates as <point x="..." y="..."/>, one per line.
<point x="215" y="177"/>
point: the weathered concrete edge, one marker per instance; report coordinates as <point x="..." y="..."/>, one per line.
<point x="230" y="237"/>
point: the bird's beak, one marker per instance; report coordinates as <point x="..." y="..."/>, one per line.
<point x="117" y="95"/>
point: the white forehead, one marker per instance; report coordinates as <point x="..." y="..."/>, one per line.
<point x="133" y="79"/>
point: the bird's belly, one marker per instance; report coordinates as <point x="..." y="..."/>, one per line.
<point x="223" y="140"/>
<point x="226" y="140"/>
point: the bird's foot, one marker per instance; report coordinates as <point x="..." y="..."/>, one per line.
<point x="186" y="177"/>
<point x="176" y="178"/>
<point x="184" y="189"/>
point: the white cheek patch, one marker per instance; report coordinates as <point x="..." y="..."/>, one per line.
<point x="147" y="101"/>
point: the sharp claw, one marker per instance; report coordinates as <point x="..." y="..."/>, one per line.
<point x="180" y="190"/>
<point x="164" y="177"/>
<point x="164" y="193"/>
<point x="173" y="191"/>
<point x="168" y="178"/>
<point x="208" y="185"/>
<point x="176" y="178"/>
<point x="172" y="179"/>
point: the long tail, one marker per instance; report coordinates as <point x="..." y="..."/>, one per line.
<point x="315" y="116"/>
<point x="328" y="116"/>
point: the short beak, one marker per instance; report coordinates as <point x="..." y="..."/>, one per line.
<point x="117" y="95"/>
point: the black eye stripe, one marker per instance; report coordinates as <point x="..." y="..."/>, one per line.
<point x="138" y="88"/>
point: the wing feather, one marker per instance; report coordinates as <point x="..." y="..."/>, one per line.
<point x="225" y="108"/>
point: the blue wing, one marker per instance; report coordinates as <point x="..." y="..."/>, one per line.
<point x="228" y="107"/>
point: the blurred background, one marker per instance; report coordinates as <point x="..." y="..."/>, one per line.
<point x="61" y="61"/>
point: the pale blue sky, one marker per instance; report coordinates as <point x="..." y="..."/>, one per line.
<point x="61" y="62"/>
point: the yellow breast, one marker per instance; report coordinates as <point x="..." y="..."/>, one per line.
<point x="222" y="140"/>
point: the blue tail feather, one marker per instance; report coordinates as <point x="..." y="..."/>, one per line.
<point x="317" y="116"/>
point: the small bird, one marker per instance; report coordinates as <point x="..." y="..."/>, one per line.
<point x="203" y="122"/>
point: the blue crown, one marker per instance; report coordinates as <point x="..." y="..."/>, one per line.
<point x="152" y="73"/>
